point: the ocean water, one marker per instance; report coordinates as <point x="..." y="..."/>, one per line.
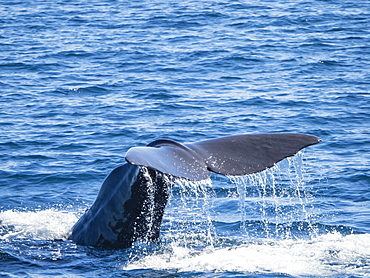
<point x="83" y="81"/>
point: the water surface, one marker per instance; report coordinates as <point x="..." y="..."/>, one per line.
<point x="83" y="81"/>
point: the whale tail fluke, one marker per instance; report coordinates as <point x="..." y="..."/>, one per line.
<point x="231" y="155"/>
<point x="131" y="201"/>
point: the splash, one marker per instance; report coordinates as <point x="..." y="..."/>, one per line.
<point x="329" y="254"/>
<point x="279" y="202"/>
<point x="46" y="224"/>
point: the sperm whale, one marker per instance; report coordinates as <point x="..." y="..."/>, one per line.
<point x="133" y="197"/>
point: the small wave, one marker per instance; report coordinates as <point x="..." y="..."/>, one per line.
<point x="5" y="257"/>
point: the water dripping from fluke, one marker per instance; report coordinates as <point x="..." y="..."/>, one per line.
<point x="282" y="202"/>
<point x="275" y="232"/>
<point x="271" y="205"/>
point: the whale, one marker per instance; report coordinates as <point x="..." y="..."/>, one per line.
<point x="132" y="199"/>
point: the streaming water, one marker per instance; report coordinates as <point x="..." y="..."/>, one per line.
<point x="149" y="203"/>
<point x="280" y="199"/>
<point x="275" y="229"/>
<point x="283" y="212"/>
<point x="193" y="228"/>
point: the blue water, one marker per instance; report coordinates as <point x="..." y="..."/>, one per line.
<point x="83" y="81"/>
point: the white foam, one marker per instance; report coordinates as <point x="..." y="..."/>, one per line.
<point x="329" y="254"/>
<point x="43" y="224"/>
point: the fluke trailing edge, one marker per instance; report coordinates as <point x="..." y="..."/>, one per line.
<point x="132" y="199"/>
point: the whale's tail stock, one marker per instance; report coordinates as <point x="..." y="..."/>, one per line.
<point x="119" y="215"/>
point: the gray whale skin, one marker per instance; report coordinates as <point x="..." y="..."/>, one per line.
<point x="132" y="199"/>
